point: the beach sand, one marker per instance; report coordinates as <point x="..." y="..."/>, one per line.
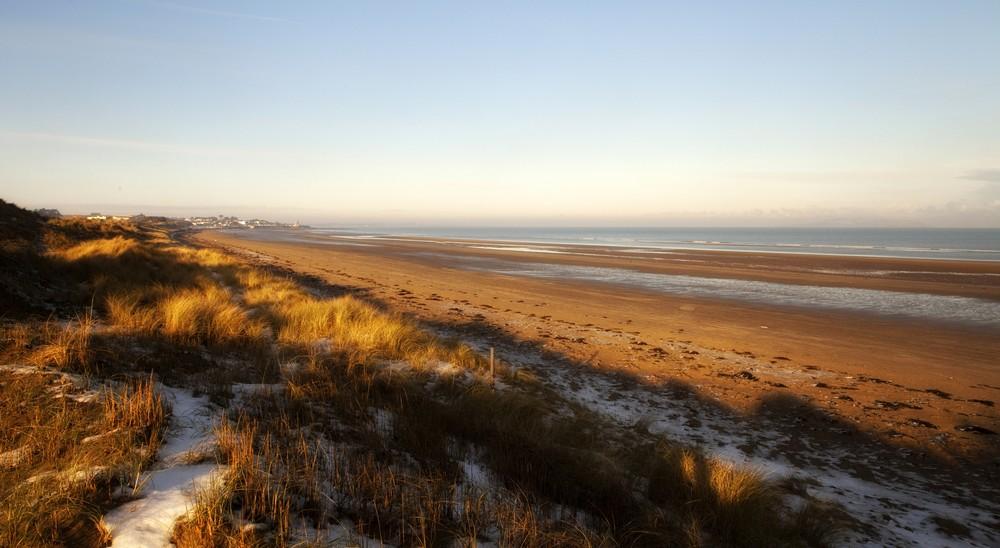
<point x="874" y="410"/>
<point x="891" y="376"/>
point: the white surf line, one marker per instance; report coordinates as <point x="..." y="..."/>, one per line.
<point x="519" y="248"/>
<point x="167" y="491"/>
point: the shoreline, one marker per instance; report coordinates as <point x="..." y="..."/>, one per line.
<point x="886" y="375"/>
<point x="979" y="279"/>
<point x="692" y="245"/>
<point x="885" y="417"/>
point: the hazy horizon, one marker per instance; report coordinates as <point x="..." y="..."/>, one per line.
<point x="753" y="219"/>
<point x="639" y="114"/>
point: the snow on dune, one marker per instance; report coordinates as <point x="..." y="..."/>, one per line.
<point x="898" y="513"/>
<point x="167" y="495"/>
<point x="167" y="491"/>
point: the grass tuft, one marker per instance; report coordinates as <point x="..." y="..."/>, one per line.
<point x="208" y="316"/>
<point x="66" y="345"/>
<point x="128" y="312"/>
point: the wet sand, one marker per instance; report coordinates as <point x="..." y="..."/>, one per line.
<point x="909" y="380"/>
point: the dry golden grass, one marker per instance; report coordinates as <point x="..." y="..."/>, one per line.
<point x="71" y="455"/>
<point x="136" y="407"/>
<point x="16" y="338"/>
<point x="734" y="502"/>
<point x="66" y="345"/>
<point x="128" y="312"/>
<point x="396" y="481"/>
<point x="207" y="524"/>
<point x="348" y="324"/>
<point x="251" y="489"/>
<point x="178" y="291"/>
<point x="276" y="473"/>
<point x="523" y="440"/>
<point x="110" y="247"/>
<point x="207" y="258"/>
<point x="67" y="232"/>
<point x="208" y="315"/>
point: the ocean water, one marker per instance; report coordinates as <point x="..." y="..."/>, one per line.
<point x="923" y="243"/>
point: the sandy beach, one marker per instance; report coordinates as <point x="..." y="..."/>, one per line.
<point x="909" y="380"/>
<point x="871" y="408"/>
<point x="870" y="383"/>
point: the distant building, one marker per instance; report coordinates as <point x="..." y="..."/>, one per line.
<point x="223" y="221"/>
<point x="97" y="217"/>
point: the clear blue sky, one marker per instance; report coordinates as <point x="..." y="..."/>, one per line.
<point x="535" y="112"/>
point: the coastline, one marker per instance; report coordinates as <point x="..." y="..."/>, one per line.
<point x="970" y="278"/>
<point x="894" y="420"/>
<point x="823" y="356"/>
<point x="943" y="250"/>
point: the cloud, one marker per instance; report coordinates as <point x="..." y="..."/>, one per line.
<point x="129" y="144"/>
<point x="986" y="195"/>
<point x="216" y="13"/>
<point x="987" y="175"/>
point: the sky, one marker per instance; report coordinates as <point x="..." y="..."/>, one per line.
<point x="867" y="113"/>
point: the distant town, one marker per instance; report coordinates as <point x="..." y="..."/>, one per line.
<point x="219" y="221"/>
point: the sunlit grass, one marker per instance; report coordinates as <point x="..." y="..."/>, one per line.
<point x="315" y="452"/>
<point x="207" y="315"/>
<point x="66" y="345"/>
<point x="348" y="324"/>
<point x="128" y="312"/>
<point x="110" y="247"/>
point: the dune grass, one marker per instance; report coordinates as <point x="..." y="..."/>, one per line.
<point x="364" y="427"/>
<point x="733" y="502"/>
<point x="197" y="296"/>
<point x="250" y="487"/>
<point x="208" y="316"/>
<point x="70" y="454"/>
<point x="277" y="474"/>
<point x="128" y="312"/>
<point x="66" y="345"/>
<point x="402" y="481"/>
<point x="347" y="324"/>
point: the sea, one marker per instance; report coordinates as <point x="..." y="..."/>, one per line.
<point x="919" y="243"/>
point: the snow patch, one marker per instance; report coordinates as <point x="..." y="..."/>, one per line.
<point x="900" y="513"/>
<point x="167" y="492"/>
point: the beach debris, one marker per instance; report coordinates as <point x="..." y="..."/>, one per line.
<point x="973" y="429"/>
<point x="875" y="380"/>
<point x="921" y="423"/>
<point x="746" y="375"/>
<point x="939" y="393"/>
<point x="895" y="405"/>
